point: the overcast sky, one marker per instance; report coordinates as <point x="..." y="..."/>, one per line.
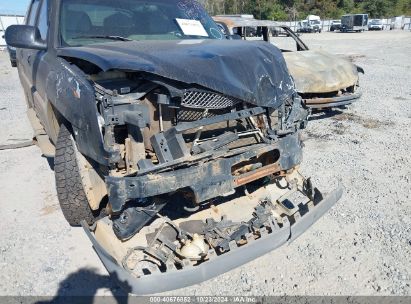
<point x="13" y="6"/>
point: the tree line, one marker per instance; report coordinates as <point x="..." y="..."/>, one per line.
<point x="284" y="10"/>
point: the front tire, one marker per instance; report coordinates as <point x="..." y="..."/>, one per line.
<point x="70" y="190"/>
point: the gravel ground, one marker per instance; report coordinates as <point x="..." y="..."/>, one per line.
<point x="361" y="247"/>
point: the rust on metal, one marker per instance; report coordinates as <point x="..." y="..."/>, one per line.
<point x="336" y="101"/>
<point x="257" y="174"/>
<point x="319" y="100"/>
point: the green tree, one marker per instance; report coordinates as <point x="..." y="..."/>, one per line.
<point x="377" y="8"/>
<point x="290" y="9"/>
<point x="278" y="12"/>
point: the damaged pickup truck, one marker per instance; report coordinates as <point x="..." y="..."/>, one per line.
<point x="323" y="80"/>
<point x="178" y="157"/>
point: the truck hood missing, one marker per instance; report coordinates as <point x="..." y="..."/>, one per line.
<point x="320" y="72"/>
<point x="251" y="71"/>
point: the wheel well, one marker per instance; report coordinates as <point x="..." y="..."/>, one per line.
<point x="55" y="120"/>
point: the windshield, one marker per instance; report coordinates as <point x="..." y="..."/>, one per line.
<point x="315" y="22"/>
<point x="376" y="22"/>
<point x="84" y="22"/>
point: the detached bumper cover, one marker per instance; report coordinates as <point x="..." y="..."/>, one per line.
<point x="216" y="265"/>
<point x="319" y="103"/>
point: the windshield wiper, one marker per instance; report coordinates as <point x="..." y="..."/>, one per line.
<point x="104" y="37"/>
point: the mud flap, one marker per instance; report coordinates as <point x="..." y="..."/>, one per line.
<point x="216" y="265"/>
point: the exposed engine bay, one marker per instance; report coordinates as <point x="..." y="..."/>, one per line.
<point x="196" y="175"/>
<point x="191" y="147"/>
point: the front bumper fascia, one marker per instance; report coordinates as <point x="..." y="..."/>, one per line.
<point x="237" y="256"/>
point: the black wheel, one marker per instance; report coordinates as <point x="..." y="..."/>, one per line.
<point x="13" y="63"/>
<point x="70" y="190"/>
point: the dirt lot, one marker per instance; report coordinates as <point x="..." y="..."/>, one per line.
<point x="362" y="247"/>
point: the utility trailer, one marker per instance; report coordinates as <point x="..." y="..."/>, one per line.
<point x="354" y="23"/>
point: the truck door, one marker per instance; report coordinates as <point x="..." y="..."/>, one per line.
<point x="24" y="56"/>
<point x="39" y="66"/>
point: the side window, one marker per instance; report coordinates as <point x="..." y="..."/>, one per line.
<point x="281" y="39"/>
<point x="31" y="20"/>
<point x="42" y="22"/>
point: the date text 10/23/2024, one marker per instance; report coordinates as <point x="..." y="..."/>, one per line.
<point x="204" y="299"/>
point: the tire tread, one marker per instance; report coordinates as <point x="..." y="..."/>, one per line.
<point x="70" y="192"/>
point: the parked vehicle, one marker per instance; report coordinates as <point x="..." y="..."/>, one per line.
<point x="302" y="26"/>
<point x="153" y="115"/>
<point x="12" y="55"/>
<point x="375" y="25"/>
<point x="315" y="26"/>
<point x="314" y="23"/>
<point x="335" y="25"/>
<point x="354" y="22"/>
<point x="311" y="25"/>
<point x="251" y="32"/>
<point x="323" y="80"/>
<point x="397" y="23"/>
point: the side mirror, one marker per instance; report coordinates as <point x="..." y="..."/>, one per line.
<point x="24" y="37"/>
<point x="234" y="37"/>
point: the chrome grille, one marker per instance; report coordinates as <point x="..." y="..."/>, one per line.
<point x="207" y="100"/>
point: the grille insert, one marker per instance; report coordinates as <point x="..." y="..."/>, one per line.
<point x="207" y="100"/>
<point x="192" y="115"/>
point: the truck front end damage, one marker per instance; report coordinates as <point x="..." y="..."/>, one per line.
<point x="203" y="183"/>
<point x="203" y="168"/>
